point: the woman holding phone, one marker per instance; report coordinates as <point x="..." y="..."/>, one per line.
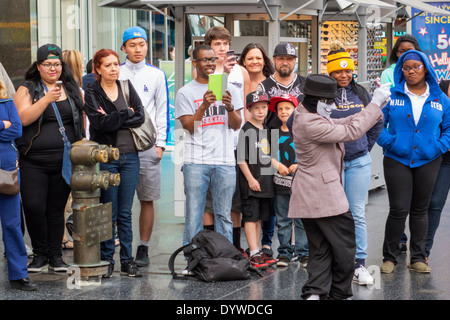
<point x="43" y="188"/>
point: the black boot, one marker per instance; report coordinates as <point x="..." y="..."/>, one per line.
<point x="23" y="284"/>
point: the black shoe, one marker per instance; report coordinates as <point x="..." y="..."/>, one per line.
<point x="57" y="264"/>
<point x="110" y="271"/>
<point x="130" y="269"/>
<point x="267" y="251"/>
<point x="23" y="284"/>
<point x="142" y="259"/>
<point x="38" y="264"/>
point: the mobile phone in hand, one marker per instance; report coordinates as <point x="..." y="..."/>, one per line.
<point x="231" y="53"/>
<point x="59" y="84"/>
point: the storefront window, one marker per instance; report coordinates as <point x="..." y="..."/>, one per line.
<point x="346" y="32"/>
<point x="15" y="40"/>
<point x="298" y="32"/>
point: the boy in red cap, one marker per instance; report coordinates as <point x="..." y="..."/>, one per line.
<point x="285" y="162"/>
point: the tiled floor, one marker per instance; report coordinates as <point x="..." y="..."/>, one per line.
<point x="276" y="284"/>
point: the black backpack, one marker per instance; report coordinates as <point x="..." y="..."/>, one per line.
<point x="211" y="257"/>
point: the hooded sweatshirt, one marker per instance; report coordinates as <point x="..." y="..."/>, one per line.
<point x="347" y="104"/>
<point x="404" y="141"/>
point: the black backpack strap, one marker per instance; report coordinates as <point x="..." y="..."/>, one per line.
<point x="186" y="249"/>
<point x="172" y="260"/>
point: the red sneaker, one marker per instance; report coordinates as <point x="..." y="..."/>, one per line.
<point x="257" y="262"/>
<point x="270" y="261"/>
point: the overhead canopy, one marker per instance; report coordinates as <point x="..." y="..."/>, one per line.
<point x="262" y="5"/>
<point x="424" y="7"/>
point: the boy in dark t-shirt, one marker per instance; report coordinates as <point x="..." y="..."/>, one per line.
<point x="286" y="164"/>
<point x="255" y="175"/>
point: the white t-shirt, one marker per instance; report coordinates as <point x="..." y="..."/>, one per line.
<point x="417" y="102"/>
<point x="236" y="81"/>
<point x="213" y="140"/>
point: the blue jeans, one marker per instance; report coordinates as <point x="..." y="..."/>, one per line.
<point x="121" y="198"/>
<point x="222" y="182"/>
<point x="356" y="181"/>
<point x="437" y="202"/>
<point x="284" y="225"/>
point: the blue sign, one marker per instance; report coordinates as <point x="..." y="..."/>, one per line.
<point x="433" y="33"/>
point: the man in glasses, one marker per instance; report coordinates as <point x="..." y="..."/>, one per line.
<point x="209" y="160"/>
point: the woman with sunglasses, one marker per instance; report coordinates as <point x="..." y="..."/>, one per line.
<point x="416" y="133"/>
<point x="352" y="99"/>
<point x="43" y="189"/>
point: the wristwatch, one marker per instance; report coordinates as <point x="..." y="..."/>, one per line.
<point x="231" y="110"/>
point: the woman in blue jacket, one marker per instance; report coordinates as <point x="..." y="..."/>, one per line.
<point x="11" y="129"/>
<point x="416" y="133"/>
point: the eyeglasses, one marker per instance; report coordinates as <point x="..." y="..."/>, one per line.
<point x="48" y="66"/>
<point x="414" y="68"/>
<point x="206" y="60"/>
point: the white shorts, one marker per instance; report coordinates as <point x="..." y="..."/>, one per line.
<point x="149" y="184"/>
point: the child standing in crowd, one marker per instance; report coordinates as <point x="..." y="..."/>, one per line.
<point x="286" y="163"/>
<point x="255" y="175"/>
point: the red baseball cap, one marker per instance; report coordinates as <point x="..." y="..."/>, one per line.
<point x="285" y="97"/>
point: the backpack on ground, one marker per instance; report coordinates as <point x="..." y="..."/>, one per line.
<point x="211" y="257"/>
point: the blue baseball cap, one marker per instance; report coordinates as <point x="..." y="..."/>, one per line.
<point x="132" y="33"/>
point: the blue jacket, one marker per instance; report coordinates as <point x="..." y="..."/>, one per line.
<point x="401" y="139"/>
<point x="8" y="155"/>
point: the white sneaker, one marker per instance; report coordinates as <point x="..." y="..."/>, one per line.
<point x="29" y="251"/>
<point x="362" y="276"/>
<point x="186" y="272"/>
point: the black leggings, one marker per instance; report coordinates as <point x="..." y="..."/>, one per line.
<point x="409" y="192"/>
<point x="44" y="197"/>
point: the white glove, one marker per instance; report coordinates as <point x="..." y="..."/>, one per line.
<point x="382" y="95"/>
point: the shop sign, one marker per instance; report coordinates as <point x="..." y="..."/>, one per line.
<point x="433" y="33"/>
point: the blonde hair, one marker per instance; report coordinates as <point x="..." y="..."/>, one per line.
<point x="3" y="92"/>
<point x="74" y="61"/>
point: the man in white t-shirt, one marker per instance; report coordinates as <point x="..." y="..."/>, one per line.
<point x="209" y="160"/>
<point x="219" y="39"/>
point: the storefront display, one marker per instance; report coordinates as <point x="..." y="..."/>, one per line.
<point x="346" y="32"/>
<point x="298" y="32"/>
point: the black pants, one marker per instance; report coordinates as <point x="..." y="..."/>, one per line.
<point x="331" y="261"/>
<point x="409" y="192"/>
<point x="44" y="197"/>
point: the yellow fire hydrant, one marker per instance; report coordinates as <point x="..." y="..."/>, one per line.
<point x="92" y="220"/>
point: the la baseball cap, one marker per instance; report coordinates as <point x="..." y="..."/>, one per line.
<point x="285" y="97"/>
<point x="132" y="33"/>
<point x="48" y="51"/>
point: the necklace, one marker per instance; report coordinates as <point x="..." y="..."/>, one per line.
<point x="288" y="87"/>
